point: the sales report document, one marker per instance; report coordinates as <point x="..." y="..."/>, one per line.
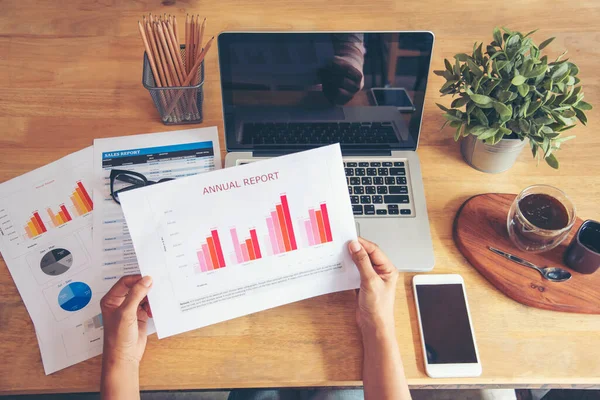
<point x="240" y="240"/>
<point x="157" y="156"/>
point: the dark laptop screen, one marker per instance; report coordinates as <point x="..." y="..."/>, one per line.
<point x="290" y="91"/>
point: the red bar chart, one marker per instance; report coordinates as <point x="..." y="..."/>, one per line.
<point x="317" y="226"/>
<point x="35" y="226"/>
<point x="247" y="249"/>
<point x="281" y="230"/>
<point x="210" y="257"/>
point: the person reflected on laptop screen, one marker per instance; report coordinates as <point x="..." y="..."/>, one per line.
<point x="288" y="90"/>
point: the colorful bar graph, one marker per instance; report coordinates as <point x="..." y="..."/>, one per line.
<point x="318" y="227"/>
<point x="79" y="207"/>
<point x="210" y="257"/>
<point x="65" y="212"/>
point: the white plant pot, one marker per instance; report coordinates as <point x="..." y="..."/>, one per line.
<point x="492" y="159"/>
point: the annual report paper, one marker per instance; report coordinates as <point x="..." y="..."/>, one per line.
<point x="244" y="239"/>
<point x="156" y="156"/>
<point x="46" y="241"/>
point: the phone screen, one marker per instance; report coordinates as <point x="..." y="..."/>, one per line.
<point x="446" y="329"/>
<point x="392" y="97"/>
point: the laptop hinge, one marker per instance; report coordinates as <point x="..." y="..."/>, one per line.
<point x="345" y="152"/>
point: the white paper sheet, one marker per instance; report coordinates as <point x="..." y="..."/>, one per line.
<point x="182" y="229"/>
<point x="52" y="266"/>
<point x="157" y="156"/>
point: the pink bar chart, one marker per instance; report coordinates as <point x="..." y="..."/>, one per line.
<point x="317" y="227"/>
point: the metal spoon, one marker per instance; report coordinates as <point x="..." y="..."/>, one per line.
<point x="553" y="274"/>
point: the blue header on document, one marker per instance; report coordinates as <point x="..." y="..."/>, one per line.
<point x="147" y="155"/>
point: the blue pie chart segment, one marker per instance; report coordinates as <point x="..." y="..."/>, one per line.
<point x="74" y="296"/>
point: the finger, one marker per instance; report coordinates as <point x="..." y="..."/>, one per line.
<point x="137" y="293"/>
<point x="146" y="307"/>
<point x="123" y="285"/>
<point x="362" y="261"/>
<point x="377" y="257"/>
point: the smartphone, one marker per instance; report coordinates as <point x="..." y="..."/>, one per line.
<point x="447" y="337"/>
<point x="397" y="97"/>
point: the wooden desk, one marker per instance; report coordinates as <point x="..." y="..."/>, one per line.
<point x="72" y="73"/>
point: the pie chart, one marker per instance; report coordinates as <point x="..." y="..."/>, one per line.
<point x="74" y="296"/>
<point x="56" y="262"/>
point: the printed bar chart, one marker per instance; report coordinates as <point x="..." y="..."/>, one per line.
<point x="248" y="249"/>
<point x="81" y="200"/>
<point x="60" y="218"/>
<point x="35" y="226"/>
<point x="281" y="230"/>
<point x="210" y="257"/>
<point x="317" y="227"/>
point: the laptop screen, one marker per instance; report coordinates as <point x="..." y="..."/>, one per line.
<point x="292" y="91"/>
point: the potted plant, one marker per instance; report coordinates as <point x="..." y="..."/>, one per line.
<point x="508" y="96"/>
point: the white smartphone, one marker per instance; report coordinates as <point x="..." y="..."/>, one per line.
<point x="447" y="336"/>
<point x="397" y="97"/>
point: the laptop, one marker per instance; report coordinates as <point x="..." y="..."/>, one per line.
<point x="293" y="91"/>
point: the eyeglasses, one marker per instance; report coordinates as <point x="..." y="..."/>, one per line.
<point x="124" y="181"/>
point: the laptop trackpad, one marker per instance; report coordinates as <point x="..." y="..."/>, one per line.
<point x="330" y="114"/>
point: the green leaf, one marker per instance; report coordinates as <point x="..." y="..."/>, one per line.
<point x="480" y="99"/>
<point x="523" y="90"/>
<point x="439" y="72"/>
<point x="459" y="102"/>
<point x="474" y="68"/>
<point x="518" y="80"/>
<point x="461" y="57"/>
<point x="564" y="139"/>
<point x="448" y="65"/>
<point x="524" y="125"/>
<point x="479" y="53"/>
<point x="570" y="113"/>
<point x="497" y="36"/>
<point x="488" y="133"/>
<point x="505" y="112"/>
<point x="533" y="107"/>
<point x="451" y="117"/>
<point x="480" y="116"/>
<point x="552" y="161"/>
<point x="477" y="130"/>
<point x="546" y="43"/>
<point x="531" y="33"/>
<point x="545" y="120"/>
<point x="457" y="133"/>
<point x="581" y="116"/>
<point x="455" y="124"/>
<point x="512" y="46"/>
<point x="582" y="105"/>
<point x="443" y="108"/>
<point x="559" y="72"/>
<point x="448" y="85"/>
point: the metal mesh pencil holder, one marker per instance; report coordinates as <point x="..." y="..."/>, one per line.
<point x="176" y="104"/>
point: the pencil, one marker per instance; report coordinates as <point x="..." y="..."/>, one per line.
<point x="149" y="54"/>
<point x="187" y="44"/>
<point x="175" y="28"/>
<point x="172" y="50"/>
<point x="187" y="81"/>
<point x="202" y="32"/>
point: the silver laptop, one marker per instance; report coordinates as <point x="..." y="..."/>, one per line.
<point x="293" y="91"/>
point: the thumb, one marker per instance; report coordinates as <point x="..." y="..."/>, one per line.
<point x="362" y="260"/>
<point x="136" y="294"/>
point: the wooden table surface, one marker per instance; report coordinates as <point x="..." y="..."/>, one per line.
<point x="71" y="73"/>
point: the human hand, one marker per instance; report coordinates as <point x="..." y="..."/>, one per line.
<point x="125" y="313"/>
<point x="378" y="277"/>
<point x="340" y="81"/>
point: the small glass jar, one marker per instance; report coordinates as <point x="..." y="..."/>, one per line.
<point x="529" y="237"/>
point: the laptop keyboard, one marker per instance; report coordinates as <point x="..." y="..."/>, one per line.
<point x="318" y="133"/>
<point x="379" y="188"/>
<point x="376" y="188"/>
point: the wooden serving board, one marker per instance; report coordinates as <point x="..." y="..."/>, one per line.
<point x="481" y="222"/>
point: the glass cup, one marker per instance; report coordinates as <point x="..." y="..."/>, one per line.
<point x="529" y="237"/>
